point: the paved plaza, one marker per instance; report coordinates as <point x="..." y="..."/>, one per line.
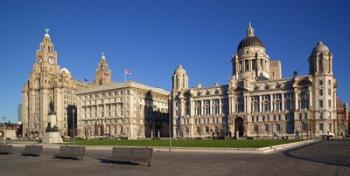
<point x="324" y="158"/>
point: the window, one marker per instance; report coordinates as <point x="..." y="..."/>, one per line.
<point x="197" y="107"/>
<point x="240" y="104"/>
<point x="216" y="106"/>
<point x="277" y="103"/>
<point x="267" y="128"/>
<point x="330" y="127"/>
<point x="207" y="107"/>
<point x="289" y="103"/>
<point x="329" y="82"/>
<point x="321" y="82"/>
<point x="329" y="103"/>
<point x="257" y="118"/>
<point x="329" y="92"/>
<point x="321" y="126"/>
<point x="188" y="108"/>
<point x="278" y="128"/>
<point x="255" y="104"/>
<point x="247" y="65"/>
<point x="321" y="103"/>
<point x="274" y="117"/>
<point x="266" y="103"/>
<point x="304" y="99"/>
<point x="321" y="92"/>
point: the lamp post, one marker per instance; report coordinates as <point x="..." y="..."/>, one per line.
<point x="170" y="144"/>
<point x="73" y="111"/>
<point x="4" y="133"/>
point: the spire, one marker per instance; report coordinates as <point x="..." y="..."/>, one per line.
<point x="103" y="55"/>
<point x="250" y="30"/>
<point x="103" y="73"/>
<point x="47" y="32"/>
<point x="102" y="65"/>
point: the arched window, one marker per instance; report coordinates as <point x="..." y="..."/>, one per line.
<point x="256" y="128"/>
<point x="278" y="128"/>
<point x="206" y="129"/>
<point x="198" y="130"/>
<point x="267" y="128"/>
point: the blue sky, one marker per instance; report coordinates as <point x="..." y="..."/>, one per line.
<point x="152" y="37"/>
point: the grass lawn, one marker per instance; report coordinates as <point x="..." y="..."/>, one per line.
<point x="186" y="143"/>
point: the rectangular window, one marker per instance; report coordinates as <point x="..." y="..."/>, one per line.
<point x="329" y="103"/>
<point x="321" y="126"/>
<point x="329" y="92"/>
<point x="321" y="82"/>
<point x="321" y="103"/>
<point x="321" y="92"/>
<point x="329" y="82"/>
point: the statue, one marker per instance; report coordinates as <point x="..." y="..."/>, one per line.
<point x="48" y="128"/>
<point x="51" y="129"/>
<point x="52" y="108"/>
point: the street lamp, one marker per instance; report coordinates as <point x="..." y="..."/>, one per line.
<point x="73" y="110"/>
<point x="4" y="133"/>
<point x="170" y="144"/>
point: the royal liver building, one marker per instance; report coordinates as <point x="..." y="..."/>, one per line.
<point x="93" y="109"/>
<point x="258" y="102"/>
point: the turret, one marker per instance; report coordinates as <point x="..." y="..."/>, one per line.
<point x="321" y="60"/>
<point x="180" y="79"/>
<point x="103" y="73"/>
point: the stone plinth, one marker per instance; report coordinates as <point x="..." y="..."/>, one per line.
<point x="52" y="138"/>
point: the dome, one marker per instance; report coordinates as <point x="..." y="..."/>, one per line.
<point x="180" y="70"/>
<point x="320" y="47"/>
<point x="250" y="41"/>
<point x="65" y="70"/>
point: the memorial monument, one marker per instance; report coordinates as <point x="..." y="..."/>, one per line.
<point x="51" y="134"/>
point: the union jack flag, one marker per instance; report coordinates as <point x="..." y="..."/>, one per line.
<point x="127" y="72"/>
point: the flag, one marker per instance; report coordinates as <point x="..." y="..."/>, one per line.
<point x="127" y="72"/>
<point x="85" y="80"/>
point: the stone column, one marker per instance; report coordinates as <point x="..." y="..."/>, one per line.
<point x="282" y="99"/>
<point x="271" y="103"/>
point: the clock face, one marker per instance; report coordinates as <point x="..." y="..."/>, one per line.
<point x="39" y="59"/>
<point x="51" y="60"/>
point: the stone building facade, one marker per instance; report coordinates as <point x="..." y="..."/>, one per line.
<point x="258" y="102"/>
<point x="342" y="118"/>
<point x="79" y="103"/>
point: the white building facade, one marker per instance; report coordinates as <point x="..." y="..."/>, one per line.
<point x="257" y="102"/>
<point x="89" y="109"/>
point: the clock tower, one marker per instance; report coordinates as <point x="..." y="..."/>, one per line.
<point x="103" y="73"/>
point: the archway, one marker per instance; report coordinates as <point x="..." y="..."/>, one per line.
<point x="239" y="127"/>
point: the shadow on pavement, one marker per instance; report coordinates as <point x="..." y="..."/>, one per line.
<point x="322" y="152"/>
<point x="109" y="161"/>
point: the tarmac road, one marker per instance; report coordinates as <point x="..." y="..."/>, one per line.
<point x="325" y="158"/>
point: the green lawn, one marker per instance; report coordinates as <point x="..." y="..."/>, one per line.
<point x="186" y="143"/>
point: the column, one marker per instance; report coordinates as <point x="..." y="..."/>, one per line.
<point x="260" y="104"/>
<point x="211" y="106"/>
<point x="220" y="110"/>
<point x="271" y="103"/>
<point x="202" y="107"/>
<point x="282" y="99"/>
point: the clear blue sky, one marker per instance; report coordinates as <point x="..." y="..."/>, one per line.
<point x="152" y="37"/>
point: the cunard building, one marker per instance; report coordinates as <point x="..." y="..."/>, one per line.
<point x="89" y="109"/>
<point x="258" y="102"/>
